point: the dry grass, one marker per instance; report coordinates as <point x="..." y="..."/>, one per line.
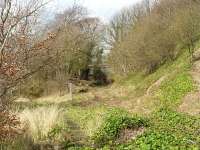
<point x="56" y="98"/>
<point x="114" y="91"/>
<point x="191" y="104"/>
<point x="40" y="121"/>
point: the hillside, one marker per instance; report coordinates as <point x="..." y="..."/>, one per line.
<point x="78" y="82"/>
<point x="166" y="103"/>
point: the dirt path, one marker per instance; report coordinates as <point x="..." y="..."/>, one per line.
<point x="144" y="104"/>
<point x="155" y="85"/>
<point x="191" y="102"/>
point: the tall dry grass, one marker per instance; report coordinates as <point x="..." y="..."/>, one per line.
<point x="40" y="121"/>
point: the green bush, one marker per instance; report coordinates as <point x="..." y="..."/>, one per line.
<point x="114" y="122"/>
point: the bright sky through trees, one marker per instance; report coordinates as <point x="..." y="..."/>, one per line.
<point x="100" y="8"/>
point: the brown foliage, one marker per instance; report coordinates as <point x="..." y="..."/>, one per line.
<point x="154" y="36"/>
<point x="9" y="125"/>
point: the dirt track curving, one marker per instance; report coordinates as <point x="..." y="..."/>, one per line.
<point x="191" y="102"/>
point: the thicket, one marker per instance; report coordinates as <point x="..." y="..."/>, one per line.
<point x="9" y="126"/>
<point x="76" y="54"/>
<point x="149" y="34"/>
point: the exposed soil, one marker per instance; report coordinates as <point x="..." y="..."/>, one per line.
<point x="129" y="134"/>
<point x="155" y="85"/>
<point x="88" y="103"/>
<point x="191" y="102"/>
<point x="138" y="104"/>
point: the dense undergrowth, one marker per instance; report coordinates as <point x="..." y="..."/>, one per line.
<point x="151" y="47"/>
<point x="114" y="122"/>
<point x="169" y="130"/>
<point x="165" y="129"/>
<point x="94" y="125"/>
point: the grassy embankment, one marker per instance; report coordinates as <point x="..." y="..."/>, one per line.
<point x="93" y="117"/>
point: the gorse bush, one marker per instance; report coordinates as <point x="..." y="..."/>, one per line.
<point x="114" y="122"/>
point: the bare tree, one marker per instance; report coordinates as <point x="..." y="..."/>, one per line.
<point x="155" y="31"/>
<point x="79" y="37"/>
<point x="17" y="41"/>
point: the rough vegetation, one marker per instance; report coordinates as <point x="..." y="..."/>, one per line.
<point x="114" y="123"/>
<point x="156" y="32"/>
<point x="170" y="130"/>
<point x="41" y="121"/>
<point x="62" y="91"/>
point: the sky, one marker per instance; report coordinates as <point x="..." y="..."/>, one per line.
<point x="103" y="9"/>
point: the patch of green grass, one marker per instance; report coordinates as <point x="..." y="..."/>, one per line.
<point x="133" y="78"/>
<point x="89" y="118"/>
<point x="175" y="88"/>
